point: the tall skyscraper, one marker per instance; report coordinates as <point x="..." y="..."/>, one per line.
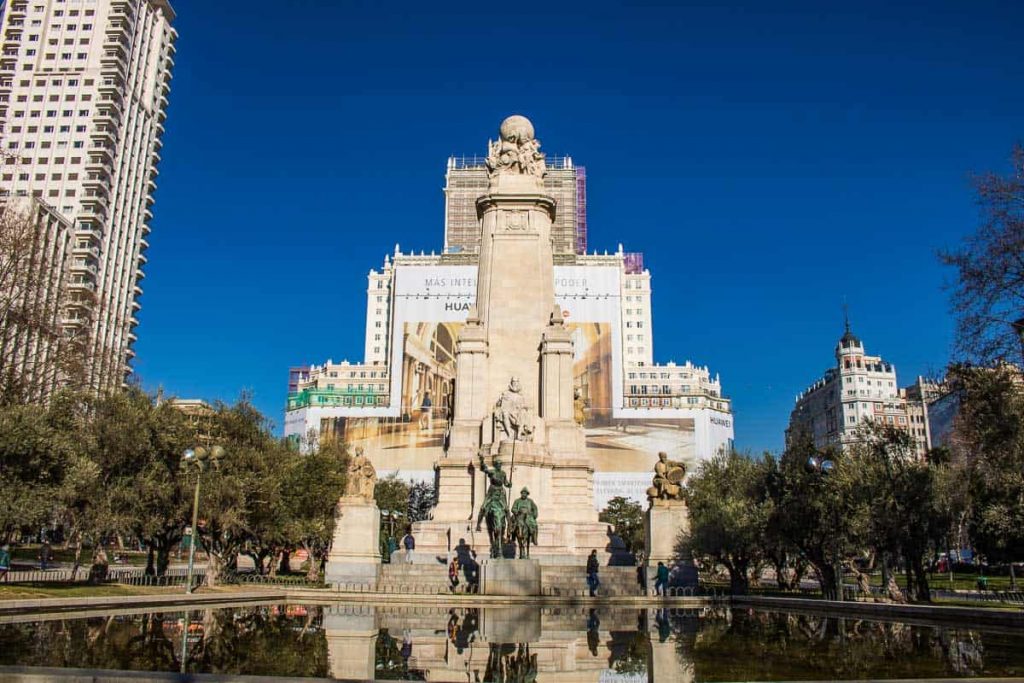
<point x="83" y="98"/>
<point x="466" y="181"/>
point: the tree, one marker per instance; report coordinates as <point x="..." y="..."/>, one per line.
<point x="392" y="497"/>
<point x="899" y="504"/>
<point x="33" y="465"/>
<point x="313" y="483"/>
<point x="989" y="446"/>
<point x="628" y="519"/>
<point x="241" y="506"/>
<point x="814" y="510"/>
<point x="729" y="512"/>
<point x="988" y="296"/>
<point x="137" y="444"/>
<point x="422" y="499"/>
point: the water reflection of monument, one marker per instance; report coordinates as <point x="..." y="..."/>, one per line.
<point x="508" y="644"/>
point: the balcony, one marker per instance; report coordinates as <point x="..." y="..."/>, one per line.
<point x="96" y="200"/>
<point x="83" y="286"/>
<point x="140" y="275"/>
<point x="132" y="337"/>
<point x="137" y="291"/>
<point x="142" y="259"/>
<point x="133" y="321"/>
<point x="95" y="180"/>
<point x="103" y="153"/>
<point x="86" y="251"/>
<point x="85" y="267"/>
<point x="91" y="230"/>
<point x="93" y="212"/>
<point x="136" y="306"/>
<point x="143" y="244"/>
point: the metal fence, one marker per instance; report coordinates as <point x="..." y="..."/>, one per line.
<point x="129" y="576"/>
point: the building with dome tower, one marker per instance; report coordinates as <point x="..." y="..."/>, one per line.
<point x="859" y="389"/>
<point x="398" y="402"/>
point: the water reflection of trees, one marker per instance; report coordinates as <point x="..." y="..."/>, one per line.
<point x="257" y="640"/>
<point x="790" y="646"/>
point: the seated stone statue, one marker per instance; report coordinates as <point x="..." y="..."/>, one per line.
<point x="362" y="477"/>
<point x="668" y="479"/>
<point x="511" y="414"/>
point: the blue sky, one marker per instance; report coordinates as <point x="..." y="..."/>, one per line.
<point x="771" y="160"/>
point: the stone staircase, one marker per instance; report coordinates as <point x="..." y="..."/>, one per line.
<point x="562" y="581"/>
<point x="430" y="579"/>
<point x="572" y="581"/>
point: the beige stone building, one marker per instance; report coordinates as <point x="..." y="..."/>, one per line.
<point x="34" y="263"/>
<point x="860" y="389"/>
<point x="83" y="98"/>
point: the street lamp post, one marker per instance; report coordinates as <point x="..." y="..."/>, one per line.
<point x="199" y="458"/>
<point x="823" y="467"/>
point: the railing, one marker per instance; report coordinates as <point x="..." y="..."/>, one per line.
<point x="256" y="579"/>
<point x="130" y="576"/>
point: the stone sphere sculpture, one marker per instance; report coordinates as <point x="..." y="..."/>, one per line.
<point x="516" y="128"/>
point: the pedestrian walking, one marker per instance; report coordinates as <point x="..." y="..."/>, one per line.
<point x="473" y="573"/>
<point x="409" y="542"/>
<point x="426" y="412"/>
<point x="453" y="574"/>
<point x="661" y="579"/>
<point x="5" y="562"/>
<point x="592" y="566"/>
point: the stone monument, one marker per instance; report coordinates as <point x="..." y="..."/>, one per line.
<point x="667" y="518"/>
<point x="514" y="397"/>
<point x="355" y="549"/>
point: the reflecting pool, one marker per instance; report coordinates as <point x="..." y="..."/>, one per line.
<point x="511" y="644"/>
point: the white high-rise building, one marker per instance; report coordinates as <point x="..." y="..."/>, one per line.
<point x="83" y="98"/>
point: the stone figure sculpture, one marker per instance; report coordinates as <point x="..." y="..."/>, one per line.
<point x="512" y="415"/>
<point x="668" y="479"/>
<point x="524" y="523"/>
<point x="495" y="506"/>
<point x="516" y="150"/>
<point x="362" y="477"/>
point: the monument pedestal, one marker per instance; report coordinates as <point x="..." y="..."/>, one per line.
<point x="509" y="577"/>
<point x="666" y="521"/>
<point x="355" y="550"/>
<point x="351" y="634"/>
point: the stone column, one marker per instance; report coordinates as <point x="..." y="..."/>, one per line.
<point x="516" y="286"/>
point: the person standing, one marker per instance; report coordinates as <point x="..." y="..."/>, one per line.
<point x="453" y="574"/>
<point x="426" y="412"/>
<point x="5" y="562"/>
<point x="409" y="542"/>
<point x="660" y="579"/>
<point x="45" y="555"/>
<point x="392" y="546"/>
<point x="592" y="566"/>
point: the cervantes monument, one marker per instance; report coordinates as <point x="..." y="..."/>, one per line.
<point x="514" y="384"/>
